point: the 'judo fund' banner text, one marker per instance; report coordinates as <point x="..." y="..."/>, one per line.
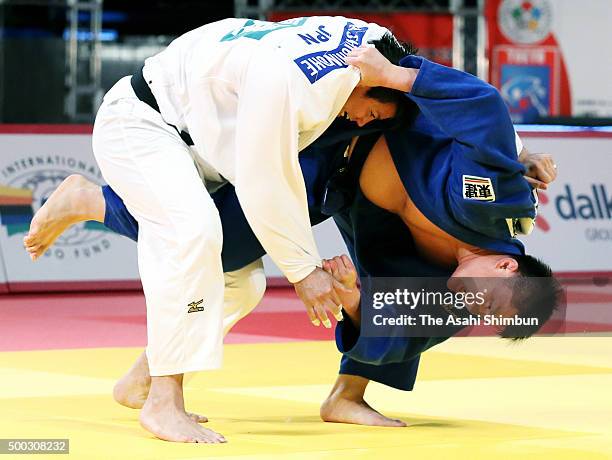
<point x="31" y="167"/>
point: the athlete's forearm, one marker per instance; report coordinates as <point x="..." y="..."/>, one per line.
<point x="400" y="78"/>
<point x="269" y="181"/>
<point x="376" y="70"/>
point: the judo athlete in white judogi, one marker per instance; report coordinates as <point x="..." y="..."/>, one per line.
<point x="248" y="95"/>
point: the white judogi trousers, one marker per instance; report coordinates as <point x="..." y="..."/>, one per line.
<point x="152" y="169"/>
<point x="244" y="289"/>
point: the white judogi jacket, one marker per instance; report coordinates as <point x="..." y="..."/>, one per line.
<point x="252" y="94"/>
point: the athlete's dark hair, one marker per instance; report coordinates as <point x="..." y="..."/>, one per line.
<point x="394" y="51"/>
<point x="536" y="294"/>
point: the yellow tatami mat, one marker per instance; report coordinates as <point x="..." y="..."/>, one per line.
<point x="475" y="398"/>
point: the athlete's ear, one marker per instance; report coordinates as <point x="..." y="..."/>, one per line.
<point x="507" y="263"/>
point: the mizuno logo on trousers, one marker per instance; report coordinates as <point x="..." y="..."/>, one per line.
<point x="195" y="307"/>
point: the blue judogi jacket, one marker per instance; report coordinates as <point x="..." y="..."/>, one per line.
<point x="459" y="164"/>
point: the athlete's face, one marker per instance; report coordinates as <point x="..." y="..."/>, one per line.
<point x="487" y="275"/>
<point x="490" y="296"/>
<point x="362" y="109"/>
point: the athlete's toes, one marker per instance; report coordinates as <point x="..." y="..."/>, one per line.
<point x="35" y="248"/>
<point x="35" y="254"/>
<point x="215" y="437"/>
<point x="31" y="250"/>
<point x="197" y="418"/>
<point x="210" y="437"/>
<point x="29" y="240"/>
<point x="32" y="245"/>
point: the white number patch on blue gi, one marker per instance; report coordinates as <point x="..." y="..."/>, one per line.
<point x="316" y="65"/>
<point x="478" y="188"/>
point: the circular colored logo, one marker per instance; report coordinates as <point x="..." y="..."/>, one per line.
<point x="525" y="21"/>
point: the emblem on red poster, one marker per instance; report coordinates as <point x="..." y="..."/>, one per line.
<point x="528" y="79"/>
<point x="525" y="21"/>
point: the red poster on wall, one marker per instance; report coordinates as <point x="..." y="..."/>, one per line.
<point x="527" y="64"/>
<point x="528" y="79"/>
<point x="432" y="34"/>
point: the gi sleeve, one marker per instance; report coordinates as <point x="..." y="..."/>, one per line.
<point x="269" y="182"/>
<point x="379" y="350"/>
<point x="466" y="109"/>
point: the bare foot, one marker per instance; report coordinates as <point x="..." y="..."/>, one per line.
<point x="133" y="388"/>
<point x="340" y="410"/>
<point x="134" y="395"/>
<point x="176" y="425"/>
<point x="345" y="404"/>
<point x="75" y="200"/>
<point x="164" y="414"/>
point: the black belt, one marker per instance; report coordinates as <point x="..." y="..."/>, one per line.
<point x="143" y="92"/>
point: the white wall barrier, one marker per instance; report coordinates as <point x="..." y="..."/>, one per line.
<point x="33" y="162"/>
<point x="574" y="232"/>
<point x="574" y="227"/>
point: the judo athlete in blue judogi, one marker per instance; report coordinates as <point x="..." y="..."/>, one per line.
<point x="446" y="193"/>
<point x="442" y="196"/>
